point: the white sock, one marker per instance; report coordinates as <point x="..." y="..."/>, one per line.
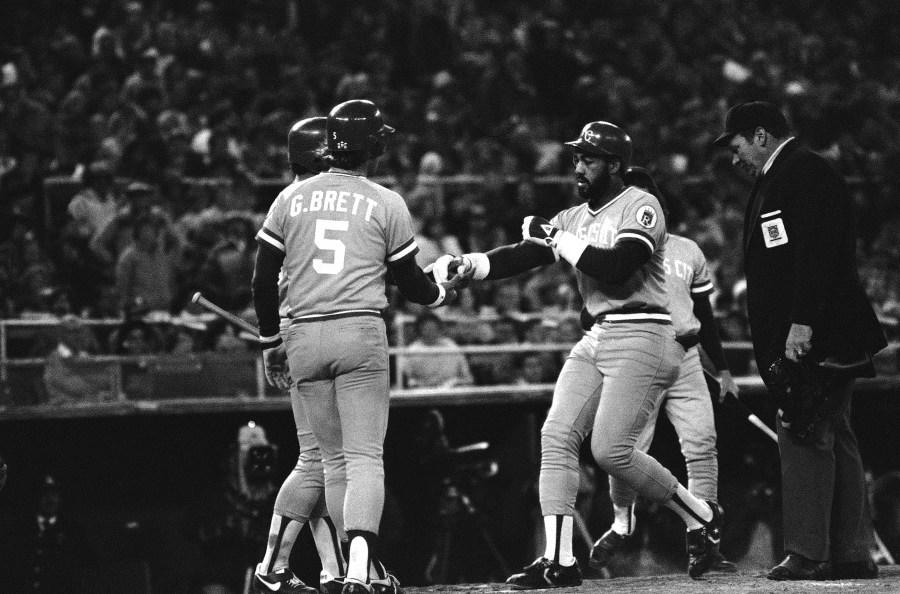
<point x="358" y="563"/>
<point x="558" y="531"/>
<point x="623" y="519"/>
<point x="694" y="512"/>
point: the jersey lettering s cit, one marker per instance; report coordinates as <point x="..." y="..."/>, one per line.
<point x="635" y="215"/>
<point x="338" y="232"/>
<point x="688" y="275"/>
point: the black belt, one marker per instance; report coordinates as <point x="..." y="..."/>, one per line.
<point x="688" y="340"/>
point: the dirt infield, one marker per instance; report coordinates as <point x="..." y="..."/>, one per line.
<point x="743" y="583"/>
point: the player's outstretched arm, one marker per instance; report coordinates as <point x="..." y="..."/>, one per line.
<point x="614" y="265"/>
<point x="418" y="288"/>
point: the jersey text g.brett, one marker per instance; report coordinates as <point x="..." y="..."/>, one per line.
<point x="333" y="201"/>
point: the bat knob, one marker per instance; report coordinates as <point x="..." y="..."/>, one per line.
<point x="196" y="297"/>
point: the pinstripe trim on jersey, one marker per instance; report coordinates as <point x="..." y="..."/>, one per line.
<point x="349" y="313"/>
<point x="410" y="247"/>
<point x="271" y="238"/>
<point x="632" y="234"/>
<point x="706" y="287"/>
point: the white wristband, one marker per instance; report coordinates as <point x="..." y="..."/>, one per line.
<point x="481" y="263"/>
<point x="570" y="247"/>
<point x="442" y="294"/>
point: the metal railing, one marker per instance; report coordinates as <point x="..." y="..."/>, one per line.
<point x="264" y="397"/>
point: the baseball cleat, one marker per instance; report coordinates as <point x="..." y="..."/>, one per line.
<point x="282" y="581"/>
<point x="356" y="587"/>
<point x="331" y="585"/>
<point x="721" y="564"/>
<point x="703" y="544"/>
<point x="544" y="573"/>
<point x="389" y="584"/>
<point x="605" y="548"/>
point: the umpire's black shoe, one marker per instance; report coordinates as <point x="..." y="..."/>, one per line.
<point x="703" y="544"/>
<point x="605" y="548"/>
<point x="544" y="573"/>
<point x="855" y="570"/>
<point x="798" y="567"/>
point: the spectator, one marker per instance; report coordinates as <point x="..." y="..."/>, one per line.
<point x="70" y="375"/>
<point x="229" y="266"/>
<point x="95" y="205"/>
<point x="145" y="272"/>
<point x="439" y="370"/>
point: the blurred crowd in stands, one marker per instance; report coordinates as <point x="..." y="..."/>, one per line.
<point x="142" y="142"/>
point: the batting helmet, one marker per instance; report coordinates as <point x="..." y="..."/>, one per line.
<point x="604" y="139"/>
<point x="357" y="125"/>
<point x="306" y="144"/>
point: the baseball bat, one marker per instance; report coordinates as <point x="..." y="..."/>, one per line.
<point x="226" y="315"/>
<point x="743" y="409"/>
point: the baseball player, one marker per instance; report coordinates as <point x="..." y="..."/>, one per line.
<point x="337" y="234"/>
<point x="301" y="497"/>
<point x="615" y="375"/>
<point x="687" y="402"/>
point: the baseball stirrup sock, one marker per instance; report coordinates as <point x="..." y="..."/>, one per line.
<point x="362" y="551"/>
<point x="276" y="536"/>
<point x="328" y="544"/>
<point x="695" y="512"/>
<point x="558" y="531"/>
<point x="623" y="519"/>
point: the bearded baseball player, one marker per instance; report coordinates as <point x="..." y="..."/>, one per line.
<point x="336" y="235"/>
<point x="301" y="497"/>
<point x="615" y="375"/>
<point x="687" y="402"/>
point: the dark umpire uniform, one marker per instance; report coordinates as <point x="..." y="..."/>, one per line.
<point x="799" y="251"/>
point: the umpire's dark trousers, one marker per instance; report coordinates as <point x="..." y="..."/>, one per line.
<point x="824" y="507"/>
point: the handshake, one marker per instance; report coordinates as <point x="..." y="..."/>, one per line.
<point x="456" y="271"/>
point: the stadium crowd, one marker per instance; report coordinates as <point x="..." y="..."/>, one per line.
<point x="141" y="142"/>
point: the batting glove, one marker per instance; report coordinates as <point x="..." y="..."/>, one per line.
<point x="276" y="366"/>
<point x="539" y="230"/>
<point x="440" y="268"/>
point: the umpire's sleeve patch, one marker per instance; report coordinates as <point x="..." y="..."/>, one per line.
<point x="265" y="235"/>
<point x="408" y="248"/>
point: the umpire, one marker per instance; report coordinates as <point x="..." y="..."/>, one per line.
<point x="806" y="305"/>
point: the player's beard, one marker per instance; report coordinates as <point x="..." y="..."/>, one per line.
<point x="594" y="191"/>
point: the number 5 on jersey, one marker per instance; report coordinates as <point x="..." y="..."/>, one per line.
<point x="327" y="244"/>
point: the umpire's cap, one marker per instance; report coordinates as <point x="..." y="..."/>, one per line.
<point x="746" y="117"/>
<point x="604" y="139"/>
<point x="357" y="125"/>
<point x="306" y="144"/>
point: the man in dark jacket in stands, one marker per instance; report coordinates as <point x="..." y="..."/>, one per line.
<point x="810" y="317"/>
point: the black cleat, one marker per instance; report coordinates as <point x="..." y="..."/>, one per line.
<point x="387" y="585"/>
<point x="703" y="544"/>
<point x="355" y="587"/>
<point x="332" y="585"/>
<point x="282" y="581"/>
<point x="721" y="564"/>
<point x="605" y="548"/>
<point x="544" y="573"/>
